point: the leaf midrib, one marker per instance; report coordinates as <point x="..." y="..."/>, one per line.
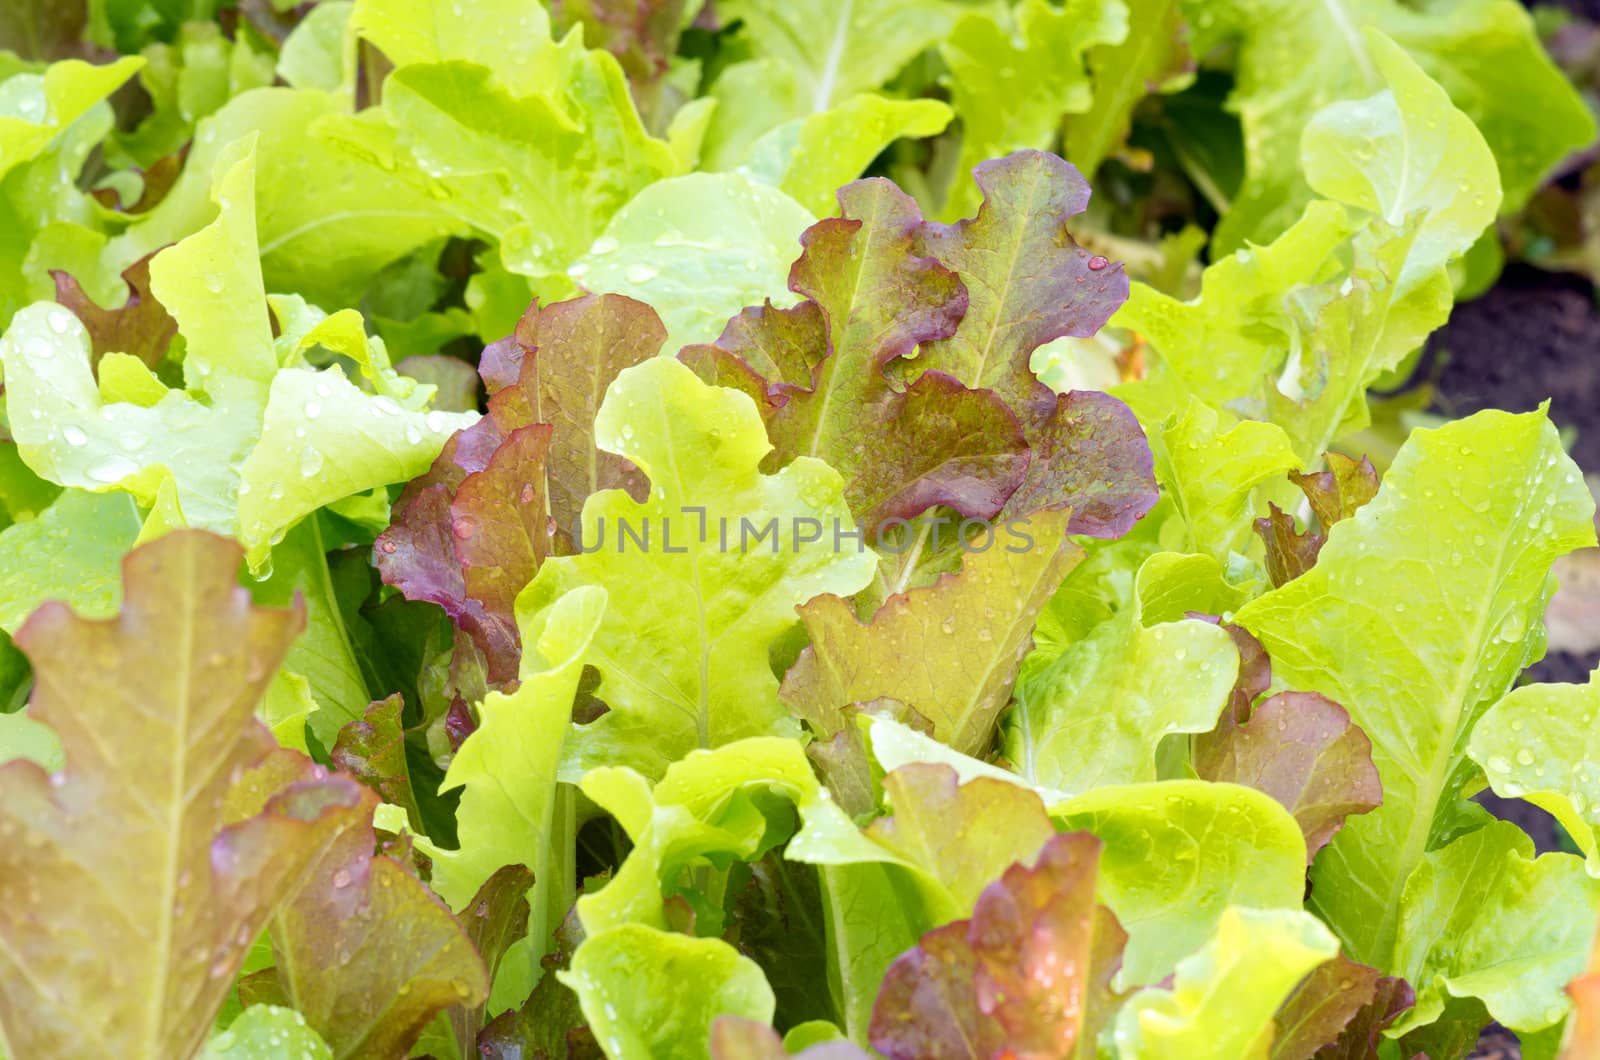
<point x="173" y="835"/>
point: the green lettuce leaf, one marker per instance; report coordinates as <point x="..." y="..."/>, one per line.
<point x="267" y="1032"/>
<point x="810" y="157"/>
<point x="697" y="249"/>
<point x="1097" y="714"/>
<point x="332" y="206"/>
<point x="1356" y="284"/>
<point x="1482" y="918"/>
<point x="72" y="552"/>
<point x="708" y="806"/>
<point x="1222" y="999"/>
<point x="1153" y="56"/>
<point x="190" y="79"/>
<point x="50" y="122"/>
<point x="1421" y="612"/>
<point x="1015" y="73"/>
<point x="683" y="665"/>
<point x="1293" y="61"/>
<point x="823" y="53"/>
<point x="1176" y="852"/>
<point x="534" y="147"/>
<point x="1211" y="466"/>
<point x="506" y="769"/>
<point x="650" y="993"/>
<point x="1535" y="745"/>
<point x="271" y="446"/>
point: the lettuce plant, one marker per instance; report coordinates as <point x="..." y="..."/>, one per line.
<point x="661" y="529"/>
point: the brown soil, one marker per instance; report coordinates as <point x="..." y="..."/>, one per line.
<point x="1534" y="336"/>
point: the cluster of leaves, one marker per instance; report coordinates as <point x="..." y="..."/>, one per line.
<point x="509" y="548"/>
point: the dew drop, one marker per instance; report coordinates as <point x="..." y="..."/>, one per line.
<point x="311" y="461"/>
<point x="387" y="406"/>
<point x="341" y="878"/>
<point x="604" y="245"/>
<point x="637" y="274"/>
<point x="74" y="436"/>
<point x="60" y="320"/>
<point x="1524" y="757"/>
<point x="312" y="410"/>
<point x="1097" y="263"/>
<point x="112" y="469"/>
<point x="436" y="422"/>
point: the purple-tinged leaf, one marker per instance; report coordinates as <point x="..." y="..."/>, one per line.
<point x="364" y="950"/>
<point x="843" y="759"/>
<point x="498" y="520"/>
<point x="141" y="328"/>
<point x="1339" y="1012"/>
<point x="1028" y="282"/>
<point x="555" y="369"/>
<point x="1302" y="749"/>
<point x="777" y="919"/>
<point x="550" y="1025"/>
<point x="1090" y="456"/>
<point x="1290" y="552"/>
<point x="642" y="34"/>
<point x="373" y="750"/>
<point x="496" y="917"/>
<point x="1335" y="494"/>
<point x="471" y="533"/>
<point x="1027" y="977"/>
<point x="1339" y="492"/>
<point x="899" y="452"/>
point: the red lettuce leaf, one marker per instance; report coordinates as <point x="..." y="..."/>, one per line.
<point x="496" y="917"/>
<point x="470" y="534"/>
<point x="1028" y="976"/>
<point x="128" y="895"/>
<point x="141" y="328"/>
<point x="1339" y="1012"/>
<point x="373" y="750"/>
<point x="364" y="950"/>
<point x="1301" y="748"/>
